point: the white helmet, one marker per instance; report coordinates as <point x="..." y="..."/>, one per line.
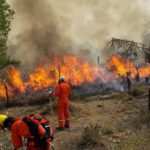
<point x="61" y="79"/>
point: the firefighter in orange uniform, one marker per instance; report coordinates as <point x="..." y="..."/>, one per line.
<point x="19" y="131"/>
<point x="63" y="92"/>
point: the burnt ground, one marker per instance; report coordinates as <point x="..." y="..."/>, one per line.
<point x="123" y="117"/>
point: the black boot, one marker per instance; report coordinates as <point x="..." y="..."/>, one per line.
<point x="67" y="126"/>
<point x="59" y="129"/>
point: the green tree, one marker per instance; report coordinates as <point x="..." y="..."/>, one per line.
<point x="6" y="16"/>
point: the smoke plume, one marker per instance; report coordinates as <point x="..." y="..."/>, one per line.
<point x="146" y="34"/>
<point x="44" y="28"/>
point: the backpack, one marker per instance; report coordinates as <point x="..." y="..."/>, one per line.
<point x="39" y="128"/>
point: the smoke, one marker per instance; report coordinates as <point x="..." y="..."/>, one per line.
<point x="39" y="36"/>
<point x="44" y="28"/>
<point x="146" y="34"/>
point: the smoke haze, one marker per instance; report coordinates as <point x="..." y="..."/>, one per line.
<point x="44" y="28"/>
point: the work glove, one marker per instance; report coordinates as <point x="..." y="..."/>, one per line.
<point x="49" y="93"/>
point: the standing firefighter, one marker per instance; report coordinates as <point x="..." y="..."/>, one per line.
<point x="63" y="92"/>
<point x="129" y="80"/>
<point x="35" y="128"/>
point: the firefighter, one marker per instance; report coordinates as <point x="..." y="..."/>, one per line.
<point x="129" y="80"/>
<point x="63" y="92"/>
<point x="19" y="131"/>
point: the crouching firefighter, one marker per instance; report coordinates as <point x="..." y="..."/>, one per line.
<point x="35" y="129"/>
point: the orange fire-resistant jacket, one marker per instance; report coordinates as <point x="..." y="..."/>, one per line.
<point x="19" y="129"/>
<point x="63" y="91"/>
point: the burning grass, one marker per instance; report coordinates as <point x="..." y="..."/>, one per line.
<point x="76" y="71"/>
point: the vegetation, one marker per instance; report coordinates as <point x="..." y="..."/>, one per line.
<point x="91" y="136"/>
<point x="147" y="55"/>
<point x="6" y="16"/>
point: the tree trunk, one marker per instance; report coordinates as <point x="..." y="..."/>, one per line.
<point x="7" y="96"/>
<point x="149" y="100"/>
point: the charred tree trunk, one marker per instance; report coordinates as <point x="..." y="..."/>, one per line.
<point x="149" y="101"/>
<point x="98" y="61"/>
<point x="59" y="70"/>
<point x="7" y="96"/>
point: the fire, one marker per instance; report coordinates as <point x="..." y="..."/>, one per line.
<point x="145" y="71"/>
<point x="15" y="77"/>
<point x="121" y="67"/>
<point x="75" y="70"/>
<point x="39" y="79"/>
<point x="2" y="90"/>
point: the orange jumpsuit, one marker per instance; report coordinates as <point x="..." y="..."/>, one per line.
<point x="63" y="91"/>
<point x="19" y="130"/>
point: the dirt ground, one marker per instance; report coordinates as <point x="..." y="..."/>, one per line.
<point x="125" y="115"/>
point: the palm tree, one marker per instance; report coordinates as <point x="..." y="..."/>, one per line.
<point x="147" y="55"/>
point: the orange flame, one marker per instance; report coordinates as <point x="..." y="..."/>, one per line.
<point x="16" y="78"/>
<point x="2" y="91"/>
<point x="122" y="67"/>
<point x="75" y="70"/>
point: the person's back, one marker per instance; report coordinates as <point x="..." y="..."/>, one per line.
<point x="63" y="91"/>
<point x="19" y="129"/>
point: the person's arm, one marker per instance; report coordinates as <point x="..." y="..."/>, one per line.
<point x="16" y="138"/>
<point x="56" y="92"/>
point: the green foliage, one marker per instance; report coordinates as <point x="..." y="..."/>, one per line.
<point x="9" y="61"/>
<point x="6" y="15"/>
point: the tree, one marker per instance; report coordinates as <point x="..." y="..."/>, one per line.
<point x="6" y="16"/>
<point x="147" y="55"/>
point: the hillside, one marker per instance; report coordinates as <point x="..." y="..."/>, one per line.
<point x="116" y="121"/>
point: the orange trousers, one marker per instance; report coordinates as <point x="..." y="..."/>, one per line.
<point x="63" y="114"/>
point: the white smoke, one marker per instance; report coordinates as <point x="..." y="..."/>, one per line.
<point x="84" y="26"/>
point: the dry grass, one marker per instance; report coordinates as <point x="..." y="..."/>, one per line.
<point x="91" y="137"/>
<point x="139" y="91"/>
<point x="73" y="107"/>
<point x="136" y="141"/>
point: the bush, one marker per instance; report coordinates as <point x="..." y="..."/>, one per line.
<point x="91" y="137"/>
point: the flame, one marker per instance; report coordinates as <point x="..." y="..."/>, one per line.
<point x="39" y="79"/>
<point x="16" y="80"/>
<point x="2" y="90"/>
<point x="76" y="71"/>
<point x="121" y="67"/>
